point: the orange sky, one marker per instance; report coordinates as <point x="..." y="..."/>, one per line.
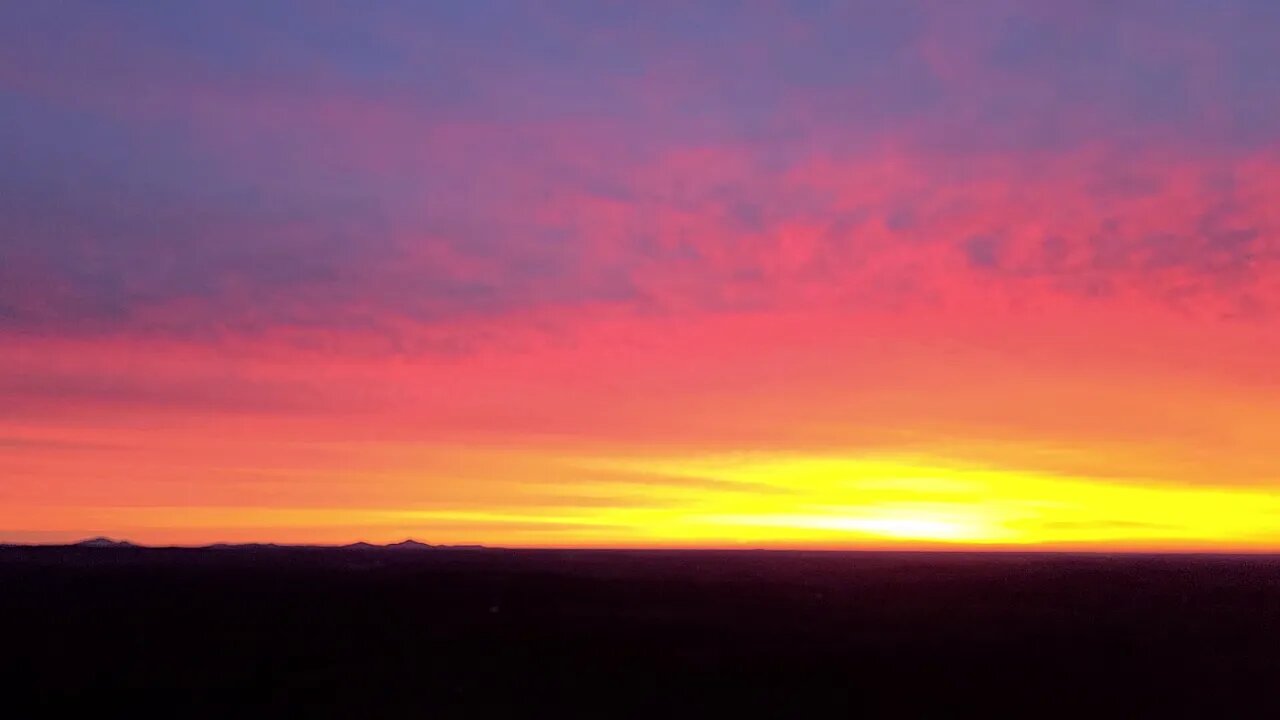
<point x="724" y="431"/>
<point x="828" y="278"/>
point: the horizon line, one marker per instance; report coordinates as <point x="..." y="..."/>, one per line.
<point x="913" y="548"/>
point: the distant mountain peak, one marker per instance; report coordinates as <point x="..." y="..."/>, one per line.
<point x="409" y="544"/>
<point x="104" y="542"/>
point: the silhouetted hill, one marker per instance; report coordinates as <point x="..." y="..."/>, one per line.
<point x="243" y="546"/>
<point x="409" y="545"/>
<point x="104" y="542"/>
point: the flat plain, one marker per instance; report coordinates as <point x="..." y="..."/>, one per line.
<point x="309" y="632"/>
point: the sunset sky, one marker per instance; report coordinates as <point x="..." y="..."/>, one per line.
<point x="678" y="274"/>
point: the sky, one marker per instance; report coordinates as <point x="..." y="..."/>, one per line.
<point x="642" y="274"/>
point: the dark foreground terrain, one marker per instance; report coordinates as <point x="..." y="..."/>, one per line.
<point x="379" y="633"/>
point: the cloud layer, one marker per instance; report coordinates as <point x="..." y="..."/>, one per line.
<point x="1036" y="237"/>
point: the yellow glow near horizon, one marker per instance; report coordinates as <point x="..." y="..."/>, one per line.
<point x="751" y="500"/>
<point x="835" y="499"/>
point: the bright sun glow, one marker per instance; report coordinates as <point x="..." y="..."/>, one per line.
<point x="753" y="500"/>
<point x="836" y="500"/>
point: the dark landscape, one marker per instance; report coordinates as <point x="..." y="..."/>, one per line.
<point x="385" y="632"/>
